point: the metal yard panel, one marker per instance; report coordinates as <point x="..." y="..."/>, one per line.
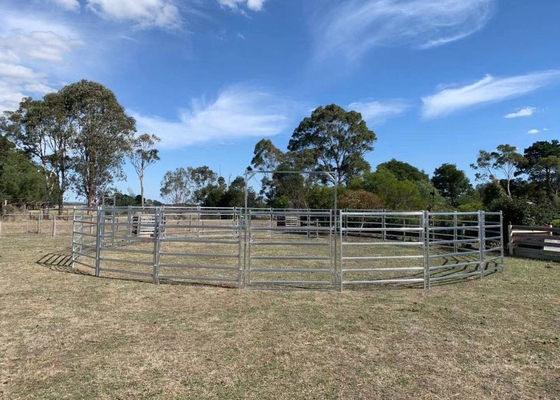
<point x="299" y="254"/>
<point x="201" y="245"/>
<point x="380" y="247"/>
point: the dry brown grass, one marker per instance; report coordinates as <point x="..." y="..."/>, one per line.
<point x="66" y="335"/>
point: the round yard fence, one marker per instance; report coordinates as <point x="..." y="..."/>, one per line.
<point x="271" y="248"/>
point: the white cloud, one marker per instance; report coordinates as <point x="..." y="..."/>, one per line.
<point x="240" y="36"/>
<point x="239" y="111"/>
<point x="255" y="5"/>
<point x="378" y="111"/>
<point x="40" y="45"/>
<point x="17" y="73"/>
<point x="353" y="27"/>
<point x="70" y="5"/>
<point x="523" y="112"/>
<point x="533" y="132"/>
<point x="487" y="90"/>
<point x="30" y="46"/>
<point x="146" y="13"/>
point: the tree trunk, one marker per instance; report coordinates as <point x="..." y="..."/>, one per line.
<point x="142" y="189"/>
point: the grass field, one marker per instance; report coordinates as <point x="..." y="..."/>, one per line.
<point x="67" y="335"/>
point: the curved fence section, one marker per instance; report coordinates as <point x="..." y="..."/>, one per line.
<point x="263" y="248"/>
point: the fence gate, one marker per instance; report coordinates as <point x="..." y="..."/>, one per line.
<point x="290" y="249"/>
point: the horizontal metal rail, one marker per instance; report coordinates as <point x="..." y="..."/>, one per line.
<point x="383" y="281"/>
<point x="290" y="244"/>
<point x="216" y="255"/>
<point x="292" y="270"/>
<point x="383" y="257"/>
<point x="126" y="261"/>
<point x="198" y="278"/>
<point x="357" y="270"/>
<point x="291" y="283"/>
<point x="197" y="266"/>
<point x="124" y="272"/>
<point x="289" y="258"/>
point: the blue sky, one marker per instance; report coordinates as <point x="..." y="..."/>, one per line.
<point x="437" y="80"/>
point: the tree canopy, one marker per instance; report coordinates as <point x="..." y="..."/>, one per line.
<point x="336" y="140"/>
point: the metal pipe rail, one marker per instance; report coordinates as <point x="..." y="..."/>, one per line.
<point x="331" y="249"/>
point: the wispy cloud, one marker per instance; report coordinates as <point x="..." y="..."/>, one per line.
<point x="487" y="90"/>
<point x="30" y="46"/>
<point x="353" y="27"/>
<point x="145" y="13"/>
<point x="254" y="5"/>
<point x="239" y="111"/>
<point x="70" y="5"/>
<point x="533" y="131"/>
<point x="375" y="111"/>
<point x="523" y="112"/>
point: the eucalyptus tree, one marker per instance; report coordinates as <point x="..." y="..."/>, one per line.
<point x="336" y="140"/>
<point x="176" y="186"/>
<point x="40" y="128"/>
<point x="143" y="155"/>
<point x="103" y="135"/>
<point x="504" y="160"/>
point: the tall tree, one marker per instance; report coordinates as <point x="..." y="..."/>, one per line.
<point x="143" y="155"/>
<point x="176" y="186"/>
<point x="542" y="164"/>
<point x="336" y="140"/>
<point x="451" y="183"/>
<point x="40" y="129"/>
<point x="103" y="135"/>
<point x="404" y="171"/>
<point x="202" y="180"/>
<point x="504" y="160"/>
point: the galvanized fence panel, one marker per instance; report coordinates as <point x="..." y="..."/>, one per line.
<point x="381" y="248"/>
<point x="201" y="245"/>
<point x="85" y="238"/>
<point x="280" y="249"/>
<point x="454" y="246"/>
<point x="296" y="249"/>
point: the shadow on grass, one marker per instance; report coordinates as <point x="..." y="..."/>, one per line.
<point x="62" y="262"/>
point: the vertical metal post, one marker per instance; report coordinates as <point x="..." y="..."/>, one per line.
<point x="158" y="227"/>
<point x="271" y="218"/>
<point x="240" y="281"/>
<point x="455" y="227"/>
<point x="481" y="240"/>
<point x="129" y="225"/>
<point x="248" y="239"/>
<point x="502" y="241"/>
<point x="340" y="272"/>
<point x="99" y="240"/>
<point x="425" y="237"/>
<point x="39" y="224"/>
<point x="53" y="231"/>
<point x="113" y="226"/>
<point x="335" y="223"/>
<point x="73" y="237"/>
<point x="510" y="240"/>
<point x="1" y="225"/>
<point x="383" y="224"/>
